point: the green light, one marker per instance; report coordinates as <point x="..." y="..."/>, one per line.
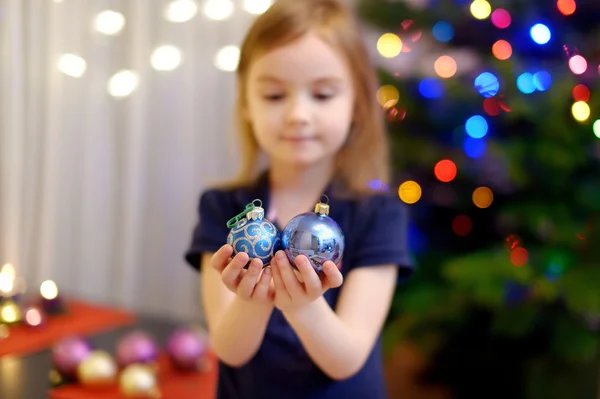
<point x="597" y="128"/>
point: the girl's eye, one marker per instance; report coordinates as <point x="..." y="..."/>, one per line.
<point x="323" y="96"/>
<point x="273" y="97"/>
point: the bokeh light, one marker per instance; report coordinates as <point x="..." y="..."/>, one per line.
<point x="542" y="80"/>
<point x="388" y="96"/>
<point x="566" y="7"/>
<point x="443" y="31"/>
<point x="519" y="257"/>
<point x="431" y="88"/>
<point x="540" y="33"/>
<point x="462" y="225"/>
<point x="596" y="128"/>
<point x="502" y="50"/>
<point x="483" y="197"/>
<point x="512" y="241"/>
<point x="491" y="106"/>
<point x="474" y="148"/>
<point x="501" y="18"/>
<point x="581" y="93"/>
<point x="476" y="126"/>
<point x="481" y="9"/>
<point x="445" y="170"/>
<point x="389" y="45"/>
<point x="487" y="84"/>
<point x="410" y="192"/>
<point x="580" y="111"/>
<point x="577" y="64"/>
<point x="525" y="83"/>
<point x="445" y="66"/>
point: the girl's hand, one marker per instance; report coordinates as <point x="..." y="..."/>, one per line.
<point x="293" y="291"/>
<point x="252" y="284"/>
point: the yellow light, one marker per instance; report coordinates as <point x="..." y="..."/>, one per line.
<point x="389" y="45"/>
<point x="10" y="312"/>
<point x="580" y="111"/>
<point x="481" y="9"/>
<point x="483" y="197"/>
<point x="597" y="128"/>
<point x="388" y="96"/>
<point x="410" y="192"/>
<point x="49" y="290"/>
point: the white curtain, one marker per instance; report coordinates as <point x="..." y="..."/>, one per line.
<point x="98" y="192"/>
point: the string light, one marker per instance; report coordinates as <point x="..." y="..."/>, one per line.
<point x="445" y="170"/>
<point x="257" y="7"/>
<point x="410" y="192"/>
<point x="388" y="96"/>
<point x="540" y="34"/>
<point x="483" y="197"/>
<point x="218" y="10"/>
<point x="71" y="65"/>
<point x="596" y="128"/>
<point x="581" y="93"/>
<point x="165" y="58"/>
<point x="389" y="45"/>
<point x="501" y="18"/>
<point x="502" y="50"/>
<point x="566" y="7"/>
<point x="577" y="64"/>
<point x="445" y="67"/>
<point x="123" y="83"/>
<point x="580" y="111"/>
<point x="181" y="10"/>
<point x="227" y="58"/>
<point x="462" y="225"/>
<point x="109" y="22"/>
<point x="481" y="9"/>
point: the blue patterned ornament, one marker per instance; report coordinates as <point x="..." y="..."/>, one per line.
<point x="253" y="234"/>
<point x="315" y="235"/>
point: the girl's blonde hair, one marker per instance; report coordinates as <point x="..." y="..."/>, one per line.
<point x="364" y="157"/>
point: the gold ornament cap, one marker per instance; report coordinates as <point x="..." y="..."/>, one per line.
<point x="322" y="208"/>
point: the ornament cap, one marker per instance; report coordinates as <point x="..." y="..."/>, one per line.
<point x="253" y="212"/>
<point x="257" y="213"/>
<point x="322" y="208"/>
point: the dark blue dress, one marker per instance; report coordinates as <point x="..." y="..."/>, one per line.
<point x="375" y="230"/>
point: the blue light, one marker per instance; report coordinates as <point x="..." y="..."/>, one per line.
<point x="487" y="84"/>
<point x="525" y="83"/>
<point x="542" y="80"/>
<point x="474" y="148"/>
<point x="540" y="33"/>
<point x="377" y="185"/>
<point x="443" y="31"/>
<point x="431" y="88"/>
<point x="476" y="126"/>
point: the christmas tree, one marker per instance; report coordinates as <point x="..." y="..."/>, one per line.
<point x="496" y="146"/>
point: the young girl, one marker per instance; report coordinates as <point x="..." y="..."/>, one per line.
<point x="305" y="101"/>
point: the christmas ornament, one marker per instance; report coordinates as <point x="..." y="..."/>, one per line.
<point x="186" y="349"/>
<point x="136" y="347"/>
<point x="138" y="381"/>
<point x="254" y="234"/>
<point x="315" y="235"/>
<point x="99" y="369"/>
<point x="68" y="353"/>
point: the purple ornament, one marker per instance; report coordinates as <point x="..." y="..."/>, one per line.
<point x="68" y="353"/>
<point x="136" y="347"/>
<point x="185" y="349"/>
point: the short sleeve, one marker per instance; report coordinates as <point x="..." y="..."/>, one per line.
<point x="383" y="235"/>
<point x="210" y="232"/>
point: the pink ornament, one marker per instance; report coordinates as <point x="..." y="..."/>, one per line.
<point x="136" y="347"/>
<point x="185" y="349"/>
<point x="68" y="353"/>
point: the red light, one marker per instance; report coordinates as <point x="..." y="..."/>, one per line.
<point x="462" y="225"/>
<point x="445" y="170"/>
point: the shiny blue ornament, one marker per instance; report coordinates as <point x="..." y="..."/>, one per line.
<point x="315" y="235"/>
<point x="253" y="234"/>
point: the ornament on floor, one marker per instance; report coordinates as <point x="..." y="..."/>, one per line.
<point x="252" y="233"/>
<point x="97" y="370"/>
<point x="186" y="349"/>
<point x="138" y="381"/>
<point x="68" y="353"/>
<point x="51" y="302"/>
<point x="315" y="235"/>
<point x="136" y="347"/>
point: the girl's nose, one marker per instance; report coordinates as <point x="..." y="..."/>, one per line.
<point x="298" y="111"/>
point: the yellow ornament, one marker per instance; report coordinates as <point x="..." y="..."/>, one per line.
<point x="138" y="381"/>
<point x="98" y="369"/>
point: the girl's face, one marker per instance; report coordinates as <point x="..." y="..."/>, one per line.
<point x="300" y="102"/>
